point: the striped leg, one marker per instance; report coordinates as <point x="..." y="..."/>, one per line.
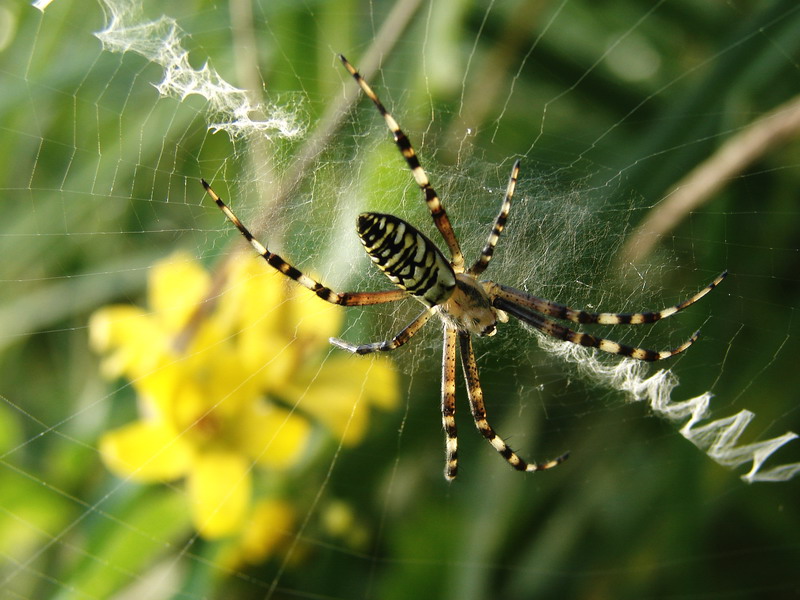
<point x="560" y="332"/>
<point x="560" y="311"/>
<point x="401" y="338"/>
<point x="499" y="223"/>
<point x="438" y="213"/>
<point x="276" y="262"/>
<point x="479" y="412"/>
<point x="449" y="403"/>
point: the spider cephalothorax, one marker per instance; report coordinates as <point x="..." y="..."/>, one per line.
<point x="465" y="305"/>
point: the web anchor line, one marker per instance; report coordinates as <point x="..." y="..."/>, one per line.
<point x="718" y="438"/>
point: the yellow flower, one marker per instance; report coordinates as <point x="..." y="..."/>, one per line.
<point x="207" y="366"/>
<point x="269" y="529"/>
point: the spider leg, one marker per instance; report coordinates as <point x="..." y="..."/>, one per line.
<point x="497" y="228"/>
<point x="449" y="403"/>
<point x="560" y="332"/>
<point x="479" y="412"/>
<point x="560" y="311"/>
<point x="401" y="338"/>
<point x="276" y="262"/>
<point x="438" y="213"/>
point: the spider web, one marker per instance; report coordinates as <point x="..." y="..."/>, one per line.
<point x="626" y="119"/>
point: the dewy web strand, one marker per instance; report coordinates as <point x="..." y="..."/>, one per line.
<point x="161" y="43"/>
<point x="717" y="438"/>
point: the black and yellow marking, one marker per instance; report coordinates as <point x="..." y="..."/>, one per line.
<point x="407" y="257"/>
<point x="435" y="207"/>
<point x="449" y="403"/>
<point x="560" y="332"/>
<point x="561" y="311"/>
<point x="478" y="408"/>
<point x="498" y="226"/>
<point x="278" y="263"/>
<point x="387" y="345"/>
<point x="274" y="260"/>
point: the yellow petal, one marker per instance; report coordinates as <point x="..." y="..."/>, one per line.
<point x="339" y="395"/>
<point x="177" y="286"/>
<point x="146" y="451"/>
<point x="381" y="384"/>
<point x="199" y="389"/>
<point x="269" y="301"/>
<point x="269" y="526"/>
<point x="171" y="394"/>
<point x="255" y="294"/>
<point x="313" y="318"/>
<point x="266" y="356"/>
<point x="131" y="339"/>
<point x="219" y="492"/>
<point x="273" y="436"/>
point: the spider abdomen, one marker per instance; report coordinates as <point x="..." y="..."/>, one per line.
<point x="407" y="257"/>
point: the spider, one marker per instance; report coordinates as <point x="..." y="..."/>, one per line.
<point x="466" y="305"/>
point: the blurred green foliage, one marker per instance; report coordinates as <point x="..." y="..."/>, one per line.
<point x="614" y="102"/>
